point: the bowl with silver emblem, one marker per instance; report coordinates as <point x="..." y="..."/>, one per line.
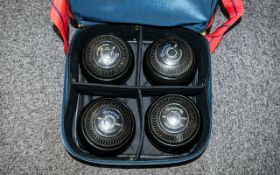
<point x="107" y="59"/>
<point x="173" y="123"/>
<point x="169" y="61"/>
<point x="106" y="127"/>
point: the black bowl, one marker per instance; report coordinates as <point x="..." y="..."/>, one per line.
<point x="106" y="127"/>
<point x="169" y="61"/>
<point x="107" y="59"/>
<point x="173" y="123"/>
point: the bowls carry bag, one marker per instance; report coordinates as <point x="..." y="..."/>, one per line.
<point x="137" y="89"/>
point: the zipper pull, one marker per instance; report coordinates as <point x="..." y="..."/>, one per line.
<point x="81" y="27"/>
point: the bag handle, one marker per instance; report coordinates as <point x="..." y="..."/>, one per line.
<point x="59" y="13"/>
<point x="235" y="9"/>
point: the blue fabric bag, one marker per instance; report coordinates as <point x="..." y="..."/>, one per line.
<point x="195" y="17"/>
<point x="192" y="14"/>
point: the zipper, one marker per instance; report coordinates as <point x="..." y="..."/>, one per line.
<point x="204" y="33"/>
<point x="81" y="27"/>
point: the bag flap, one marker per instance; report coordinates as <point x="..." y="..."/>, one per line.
<point x="190" y="13"/>
<point x="187" y="13"/>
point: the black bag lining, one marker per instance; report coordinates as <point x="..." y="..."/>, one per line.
<point x="137" y="93"/>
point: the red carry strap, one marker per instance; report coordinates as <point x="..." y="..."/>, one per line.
<point x="59" y="15"/>
<point x="235" y="9"/>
